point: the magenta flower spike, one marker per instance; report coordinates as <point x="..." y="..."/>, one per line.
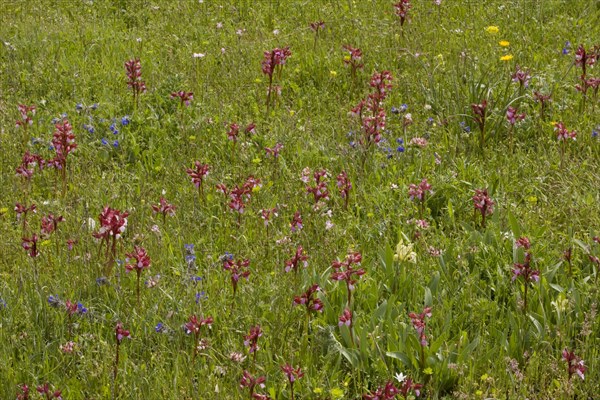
<point x="184" y="97"/>
<point x="237" y="269"/>
<point x="483" y="203"/>
<point x="292" y="375"/>
<point x="250" y="382"/>
<point x="309" y="300"/>
<point x="575" y="365"/>
<point x="401" y="10"/>
<point x="133" y="70"/>
<point x="346" y="271"/>
<point x="300" y="258"/>
<point x="163" y="207"/>
<point x="418" y="322"/>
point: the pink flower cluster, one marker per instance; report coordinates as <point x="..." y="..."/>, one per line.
<point x="319" y="190"/>
<point x="239" y="195"/>
<point x="418" y="322"/>
<point x="309" y="299"/>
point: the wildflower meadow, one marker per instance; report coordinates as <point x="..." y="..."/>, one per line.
<point x="299" y="200"/>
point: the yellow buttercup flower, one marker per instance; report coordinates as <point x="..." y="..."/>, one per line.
<point x="507" y="57"/>
<point x="333" y="73"/>
<point x="492" y="29"/>
<point x="504" y="43"/>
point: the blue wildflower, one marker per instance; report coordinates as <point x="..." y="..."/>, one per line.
<point x="81" y="309"/>
<point x="400" y="141"/>
<point x="116" y="144"/>
<point x="465" y="127"/>
<point x="196" y="279"/>
<point x="565" y="49"/>
<point x="395" y="111"/>
<point x="3" y="303"/>
<point x="159" y="328"/>
<point x="352" y="144"/>
<point x="125" y="120"/>
<point x="54" y="301"/>
<point x="113" y="129"/>
<point x="89" y="128"/>
<point x="595" y="132"/>
<point x="400" y="149"/>
<point x="79" y="107"/>
<point x="94" y="106"/>
<point x="102" y="281"/>
<point x="55" y="120"/>
<point x="189" y="248"/>
<point x="104" y="142"/>
<point x="200" y="296"/>
<point x="430" y="120"/>
<point x="389" y="152"/>
<point x="403" y="107"/>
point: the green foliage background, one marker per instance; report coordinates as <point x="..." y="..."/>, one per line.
<point x="58" y="53"/>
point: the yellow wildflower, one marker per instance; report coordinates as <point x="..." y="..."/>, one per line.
<point x="504" y="43"/>
<point x="336" y="393"/>
<point x="404" y="252"/>
<point x="507" y="57"/>
<point x="333" y="73"/>
<point x="492" y="29"/>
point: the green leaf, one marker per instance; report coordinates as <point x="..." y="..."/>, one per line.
<point x="434" y="282"/>
<point x="399" y="356"/>
<point x="556" y="287"/>
<point x="514" y="225"/>
<point x="466" y="352"/>
<point x="428" y="301"/>
<point x="538" y="326"/>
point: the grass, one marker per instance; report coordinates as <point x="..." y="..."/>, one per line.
<point x="481" y="343"/>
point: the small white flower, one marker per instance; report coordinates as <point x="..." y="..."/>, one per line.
<point x="219" y="25"/>
<point x="400" y="377"/>
<point x="328" y="225"/>
<point x="276" y="32"/>
<point x="199" y="55"/>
